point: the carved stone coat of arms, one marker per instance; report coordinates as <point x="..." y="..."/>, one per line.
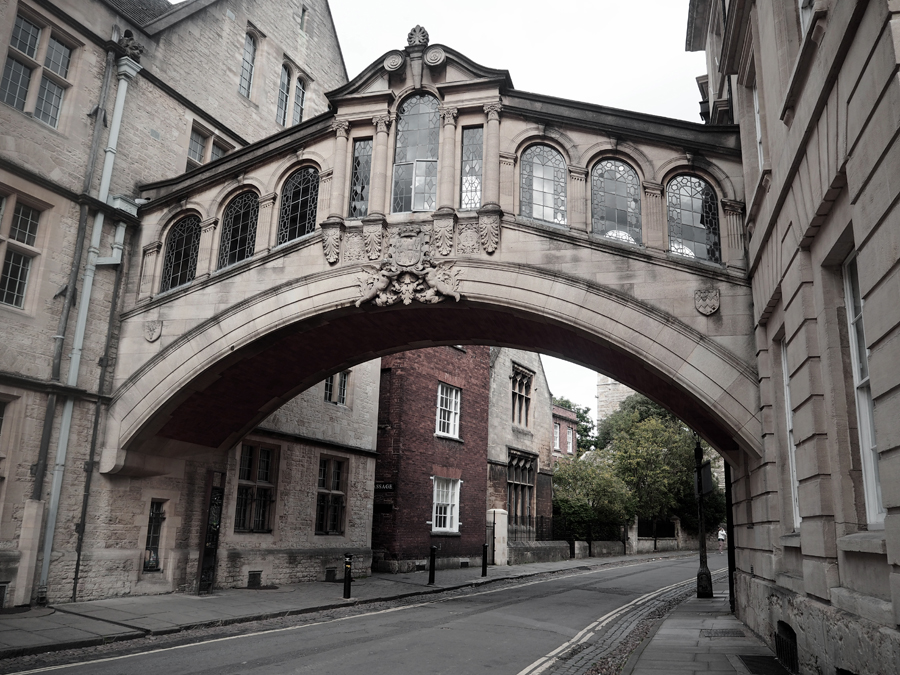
<point x="707" y="301"/>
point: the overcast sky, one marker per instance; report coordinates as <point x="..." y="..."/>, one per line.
<point x="624" y="54"/>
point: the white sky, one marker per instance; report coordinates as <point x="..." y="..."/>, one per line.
<point x="621" y="53"/>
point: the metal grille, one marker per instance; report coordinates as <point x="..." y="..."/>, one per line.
<point x="283" y="91"/>
<point x="786" y="647"/>
<point x="298" y="205"/>
<point x="154" y="530"/>
<point x="616" y="201"/>
<point x="239" y="229"/>
<point x="49" y="101"/>
<point x="25" y="36"/>
<point x="471" y="167"/>
<point x="299" y="98"/>
<point x="14" y="279"/>
<point x="182" y="250"/>
<point x="25" y="224"/>
<point x="14" y="88"/>
<point x="247" y="65"/>
<point x="416" y="154"/>
<point x="693" y="218"/>
<point x="543" y="193"/>
<point x="360" y="177"/>
<point x="58" y="57"/>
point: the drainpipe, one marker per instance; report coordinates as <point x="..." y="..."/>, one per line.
<point x="127" y="70"/>
<point x="99" y="114"/>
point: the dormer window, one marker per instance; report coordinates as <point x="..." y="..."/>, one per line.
<point x="416" y="155"/>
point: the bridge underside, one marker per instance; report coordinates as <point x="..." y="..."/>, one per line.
<point x="217" y="408"/>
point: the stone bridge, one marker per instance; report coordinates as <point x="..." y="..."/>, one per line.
<point x="436" y="204"/>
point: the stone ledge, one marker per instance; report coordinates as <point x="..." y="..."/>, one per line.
<point x="793" y="582"/>
<point x="863" y="542"/>
<point x="791" y="540"/>
<point x="866" y="606"/>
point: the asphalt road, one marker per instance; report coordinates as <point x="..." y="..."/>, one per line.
<point x="498" y="630"/>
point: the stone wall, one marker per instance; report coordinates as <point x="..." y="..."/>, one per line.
<point x="523" y="552"/>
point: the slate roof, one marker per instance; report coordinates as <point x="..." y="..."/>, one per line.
<point x="141" y="12"/>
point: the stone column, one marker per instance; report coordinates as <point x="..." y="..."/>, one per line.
<point x="507" y="180"/>
<point x="206" y="256"/>
<point x="491" y="166"/>
<point x="654" y="230"/>
<point x="378" y="188"/>
<point x="445" y="197"/>
<point x="732" y="235"/>
<point x="266" y="226"/>
<point x="576" y="199"/>
<point x="339" y="175"/>
<point x="148" y="270"/>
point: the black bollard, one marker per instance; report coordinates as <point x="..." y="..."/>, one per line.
<point x="348" y="577"/>
<point x="484" y="549"/>
<point x="431" y="565"/>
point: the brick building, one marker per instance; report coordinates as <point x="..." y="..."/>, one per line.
<point x="430" y="474"/>
<point x="565" y="432"/>
<point x="98" y="96"/>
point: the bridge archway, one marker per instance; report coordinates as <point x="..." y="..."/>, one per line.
<point x="218" y="380"/>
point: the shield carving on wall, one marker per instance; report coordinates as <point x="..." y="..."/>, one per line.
<point x="707" y="301"/>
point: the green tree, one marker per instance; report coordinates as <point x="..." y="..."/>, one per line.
<point x="587" y="490"/>
<point x="585" y="429"/>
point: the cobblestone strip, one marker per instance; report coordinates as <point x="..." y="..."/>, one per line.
<point x="603" y="647"/>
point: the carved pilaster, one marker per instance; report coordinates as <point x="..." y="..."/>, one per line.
<point x="576" y="205"/>
<point x="208" y="246"/>
<point x="373" y="236"/>
<point x="325" y="181"/>
<point x="733" y="248"/>
<point x="507" y="180"/>
<point x="445" y="197"/>
<point x="148" y="270"/>
<point x="654" y="230"/>
<point x="341" y="130"/>
<point x="266" y="229"/>
<point x="354" y="246"/>
<point x="331" y="240"/>
<point x="378" y="189"/>
<point x="491" y="166"/>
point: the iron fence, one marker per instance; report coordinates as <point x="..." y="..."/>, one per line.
<point x="530" y="528"/>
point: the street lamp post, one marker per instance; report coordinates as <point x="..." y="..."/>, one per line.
<point x="704" y="578"/>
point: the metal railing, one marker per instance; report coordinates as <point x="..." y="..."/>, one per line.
<point x="530" y="528"/>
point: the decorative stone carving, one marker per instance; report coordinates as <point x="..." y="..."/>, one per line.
<point x="331" y="241"/>
<point x="373" y="234"/>
<point x="443" y="235"/>
<point x="382" y="123"/>
<point x="707" y="301"/>
<point x="434" y="56"/>
<point x="152" y="330"/>
<point x="417" y="36"/>
<point x="408" y="273"/>
<point x="132" y="48"/>
<point x="341" y="127"/>
<point x="354" y="247"/>
<point x="492" y="110"/>
<point x="467" y="239"/>
<point x="489" y="232"/>
<point x="448" y="115"/>
<point x="394" y="61"/>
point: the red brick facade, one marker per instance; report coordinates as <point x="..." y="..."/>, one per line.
<point x="411" y="454"/>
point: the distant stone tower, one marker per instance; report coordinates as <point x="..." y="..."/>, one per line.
<point x="609" y="395"/>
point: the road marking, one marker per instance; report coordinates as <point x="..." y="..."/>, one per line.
<point x="527" y="670"/>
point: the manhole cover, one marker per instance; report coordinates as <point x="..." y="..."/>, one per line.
<point x="721" y="632"/>
<point x="763" y="665"/>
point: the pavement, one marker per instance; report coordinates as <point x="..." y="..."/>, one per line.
<point x="688" y="641"/>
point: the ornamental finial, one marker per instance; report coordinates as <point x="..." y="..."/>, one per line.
<point x="417" y="36"/>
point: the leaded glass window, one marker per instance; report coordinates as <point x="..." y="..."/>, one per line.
<point x="300" y="198"/>
<point x="416" y="155"/>
<point x="14" y="278"/>
<point x="693" y="218"/>
<point x="616" y="201"/>
<point x="256" y="489"/>
<point x="49" y="101"/>
<point x="247" y="65"/>
<point x="283" y="90"/>
<point x="182" y="249"/>
<point x="299" y="97"/>
<point x="239" y="229"/>
<point x="58" y="57"/>
<point x="14" y="88"/>
<point x="24" y="224"/>
<point x="471" y="168"/>
<point x="360" y="177"/>
<point x="543" y="193"/>
<point x="25" y="36"/>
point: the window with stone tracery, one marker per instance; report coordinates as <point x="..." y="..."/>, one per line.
<point x="239" y="229"/>
<point x="471" y="167"/>
<point x="521" y="395"/>
<point x="182" y="249"/>
<point x="360" y="177"/>
<point x="693" y="211"/>
<point x="299" y="201"/>
<point x="416" y="155"/>
<point x="543" y="185"/>
<point x="616" y="201"/>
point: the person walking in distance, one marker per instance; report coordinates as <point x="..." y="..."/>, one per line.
<point x="721" y="537"/>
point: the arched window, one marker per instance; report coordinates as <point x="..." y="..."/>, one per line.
<point x="299" y="96"/>
<point x="182" y="247"/>
<point x="300" y="198"/>
<point x="616" y="201"/>
<point x="284" y="89"/>
<point x="247" y="65"/>
<point x="239" y="229"/>
<point x="693" y="218"/>
<point x="543" y="193"/>
<point x="416" y="154"/>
